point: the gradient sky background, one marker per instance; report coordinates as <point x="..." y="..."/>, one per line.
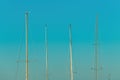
<point x="58" y="14"/>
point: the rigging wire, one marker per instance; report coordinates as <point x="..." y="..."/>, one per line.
<point x="19" y="57"/>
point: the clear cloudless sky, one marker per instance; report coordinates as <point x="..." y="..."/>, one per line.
<point x="58" y="14"/>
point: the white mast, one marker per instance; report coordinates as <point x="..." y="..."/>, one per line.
<point x="96" y="49"/>
<point x="46" y="50"/>
<point x="26" y="24"/>
<point x="70" y="36"/>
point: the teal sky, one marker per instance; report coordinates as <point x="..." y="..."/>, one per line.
<point x="58" y="14"/>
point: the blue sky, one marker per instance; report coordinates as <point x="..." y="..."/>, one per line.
<point x="58" y="14"/>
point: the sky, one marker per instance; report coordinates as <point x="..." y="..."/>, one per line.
<point x="58" y="14"/>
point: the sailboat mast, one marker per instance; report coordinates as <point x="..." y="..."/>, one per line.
<point x="96" y="49"/>
<point x="70" y="36"/>
<point x="109" y="76"/>
<point x="46" y="50"/>
<point x="26" y="24"/>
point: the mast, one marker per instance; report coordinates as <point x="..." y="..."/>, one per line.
<point x="70" y="36"/>
<point x="109" y="76"/>
<point x="46" y="51"/>
<point x="26" y="24"/>
<point x="96" y="49"/>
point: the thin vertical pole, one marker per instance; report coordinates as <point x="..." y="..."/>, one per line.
<point x="109" y="76"/>
<point x="70" y="36"/>
<point x="46" y="50"/>
<point x="26" y="24"/>
<point x="96" y="49"/>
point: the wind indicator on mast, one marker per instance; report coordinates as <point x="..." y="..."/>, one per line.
<point x="26" y="24"/>
<point x="46" y="51"/>
<point x="70" y="37"/>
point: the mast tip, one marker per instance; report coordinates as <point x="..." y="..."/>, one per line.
<point x="26" y="12"/>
